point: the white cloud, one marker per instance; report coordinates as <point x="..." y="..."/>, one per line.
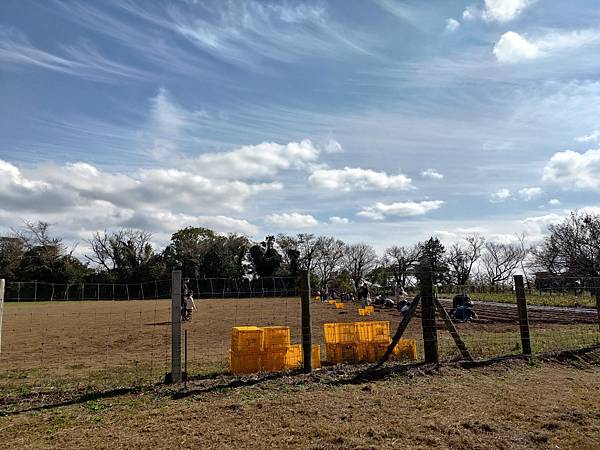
<point x="538" y="225"/>
<point x="471" y="13"/>
<point x="333" y="146"/>
<point x="504" y="10"/>
<point x="357" y="179"/>
<point x="88" y="198"/>
<point x="513" y="48"/>
<point x="401" y="209"/>
<point x="554" y="202"/>
<point x="500" y="195"/>
<point x="530" y="193"/>
<point x="433" y="174"/>
<point x="592" y="137"/>
<point x="291" y="220"/>
<point x="252" y="161"/>
<point x="572" y="170"/>
<point x="335" y="220"/>
<point x="452" y="25"/>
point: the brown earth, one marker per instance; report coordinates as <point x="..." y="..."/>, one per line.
<point x="55" y="345"/>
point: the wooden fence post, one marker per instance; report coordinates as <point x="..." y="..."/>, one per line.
<point x="2" y="284"/>
<point x="175" y="326"/>
<point x="522" y="310"/>
<point x="428" y="323"/>
<point x="304" y="283"/>
<point x="597" y="293"/>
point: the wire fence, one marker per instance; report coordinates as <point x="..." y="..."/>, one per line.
<point x="103" y="343"/>
<point x="32" y="291"/>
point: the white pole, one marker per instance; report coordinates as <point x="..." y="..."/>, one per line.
<point x="2" y="283"/>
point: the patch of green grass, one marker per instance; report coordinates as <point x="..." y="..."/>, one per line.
<point x="546" y="299"/>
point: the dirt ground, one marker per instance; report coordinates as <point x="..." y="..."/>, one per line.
<point x="46" y="346"/>
<point x="518" y="404"/>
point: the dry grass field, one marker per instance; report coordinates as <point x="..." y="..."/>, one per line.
<point x="87" y="375"/>
<point x="102" y="344"/>
<point x="518" y="405"/>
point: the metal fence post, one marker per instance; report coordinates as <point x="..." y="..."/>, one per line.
<point x="597" y="293"/>
<point x="304" y="282"/>
<point x="522" y="310"/>
<point x="176" y="326"/>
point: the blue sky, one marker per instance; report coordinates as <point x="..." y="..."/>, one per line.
<point x="383" y="121"/>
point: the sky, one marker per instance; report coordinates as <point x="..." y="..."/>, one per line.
<point x="382" y="121"/>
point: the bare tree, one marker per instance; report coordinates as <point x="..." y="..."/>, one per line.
<point x="500" y="261"/>
<point x="124" y="249"/>
<point x="359" y="259"/>
<point x="572" y="247"/>
<point x="300" y="249"/>
<point x="401" y="261"/>
<point x="462" y="258"/>
<point x="525" y="263"/>
<point x="328" y="258"/>
<point x="37" y="234"/>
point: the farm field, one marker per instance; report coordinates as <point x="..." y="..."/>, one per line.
<point x="56" y="346"/>
<point x="569" y="299"/>
<point x="499" y="406"/>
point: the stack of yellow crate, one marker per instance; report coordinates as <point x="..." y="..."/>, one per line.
<point x="366" y="311"/>
<point x="266" y="348"/>
<point x="360" y="342"/>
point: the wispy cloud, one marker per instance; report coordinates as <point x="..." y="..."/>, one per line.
<point x="82" y="60"/>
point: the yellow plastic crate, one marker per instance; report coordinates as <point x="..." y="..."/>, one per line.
<point x="339" y="306"/>
<point x="373" y="331"/>
<point x="362" y="312"/>
<point x="247" y="339"/>
<point x="276" y="338"/>
<point x="240" y="363"/>
<point x="294" y="357"/>
<point x="344" y="353"/>
<point x="370" y="309"/>
<point x="331" y="302"/>
<point x="273" y="360"/>
<point x="406" y="349"/>
<point x="339" y="333"/>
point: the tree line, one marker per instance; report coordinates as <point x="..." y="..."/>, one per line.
<point x="570" y="250"/>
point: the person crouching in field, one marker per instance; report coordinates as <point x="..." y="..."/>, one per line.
<point x="190" y="306"/>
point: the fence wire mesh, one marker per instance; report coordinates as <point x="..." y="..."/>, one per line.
<point x="50" y="344"/>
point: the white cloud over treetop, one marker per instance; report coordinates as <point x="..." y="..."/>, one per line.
<point x="573" y="170"/>
<point x="357" y="179"/>
<point x="380" y="210"/>
<point x="87" y="199"/>
<point x="292" y="220"/>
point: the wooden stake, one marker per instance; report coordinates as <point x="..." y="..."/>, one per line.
<point x="430" y="343"/>
<point x="399" y="332"/>
<point x="453" y="331"/>
<point x="522" y="310"/>
<point x="304" y="282"/>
